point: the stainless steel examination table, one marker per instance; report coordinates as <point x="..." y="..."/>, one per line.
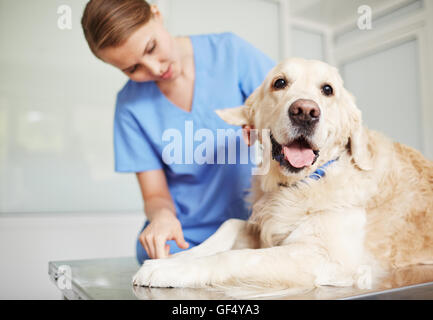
<point x="111" y="279"/>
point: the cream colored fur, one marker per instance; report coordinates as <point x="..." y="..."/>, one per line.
<point x="371" y="213"/>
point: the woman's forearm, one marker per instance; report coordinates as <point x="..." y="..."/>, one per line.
<point x="157" y="206"/>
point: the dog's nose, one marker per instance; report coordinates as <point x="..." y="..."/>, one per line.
<point x="304" y="112"/>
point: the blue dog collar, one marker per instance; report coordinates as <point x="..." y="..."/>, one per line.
<point x="320" y="172"/>
<point x="316" y="175"/>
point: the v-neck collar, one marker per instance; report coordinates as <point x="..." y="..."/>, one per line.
<point x="194" y="95"/>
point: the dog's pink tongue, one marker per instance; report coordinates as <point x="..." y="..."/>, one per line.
<point x="298" y="156"/>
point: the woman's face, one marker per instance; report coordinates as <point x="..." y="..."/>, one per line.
<point x="149" y="54"/>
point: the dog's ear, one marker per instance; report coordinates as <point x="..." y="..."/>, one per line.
<point x="358" y="139"/>
<point x="359" y="148"/>
<point x="238" y="116"/>
<point x="242" y="115"/>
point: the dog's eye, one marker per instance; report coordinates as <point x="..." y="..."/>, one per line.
<point x="327" y="90"/>
<point x="280" y="83"/>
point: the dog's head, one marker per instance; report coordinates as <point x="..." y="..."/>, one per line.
<point x="312" y="118"/>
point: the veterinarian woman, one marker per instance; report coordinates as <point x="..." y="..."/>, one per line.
<point x="175" y="85"/>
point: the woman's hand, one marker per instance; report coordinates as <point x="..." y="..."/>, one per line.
<point x="248" y="138"/>
<point x="163" y="227"/>
<point x="160" y="211"/>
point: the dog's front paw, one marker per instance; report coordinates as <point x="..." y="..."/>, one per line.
<point x="142" y="277"/>
<point x="168" y="273"/>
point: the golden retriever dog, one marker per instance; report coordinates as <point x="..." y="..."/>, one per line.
<point x="340" y="205"/>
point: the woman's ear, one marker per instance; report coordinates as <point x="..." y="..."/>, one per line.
<point x="156" y="13"/>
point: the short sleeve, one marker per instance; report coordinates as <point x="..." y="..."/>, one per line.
<point x="253" y="65"/>
<point x="133" y="150"/>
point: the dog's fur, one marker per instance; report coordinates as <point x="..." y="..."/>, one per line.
<point x="372" y="211"/>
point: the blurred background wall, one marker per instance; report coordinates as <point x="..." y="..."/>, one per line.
<point x="59" y="196"/>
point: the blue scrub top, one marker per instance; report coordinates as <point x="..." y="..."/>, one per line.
<point x="227" y="70"/>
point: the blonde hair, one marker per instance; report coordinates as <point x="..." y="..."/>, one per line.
<point x="109" y="23"/>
